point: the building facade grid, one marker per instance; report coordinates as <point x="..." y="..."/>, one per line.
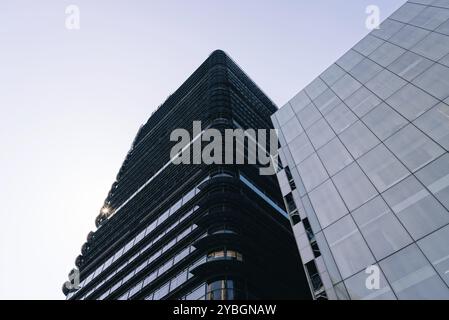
<point x="366" y="163"/>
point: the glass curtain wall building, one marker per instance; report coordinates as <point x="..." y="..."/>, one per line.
<point x="366" y="163"/>
<point x="193" y="231"/>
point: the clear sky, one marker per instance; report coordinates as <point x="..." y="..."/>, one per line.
<point x="71" y="101"/>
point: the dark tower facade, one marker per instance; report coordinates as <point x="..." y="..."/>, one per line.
<point x="197" y="231"/>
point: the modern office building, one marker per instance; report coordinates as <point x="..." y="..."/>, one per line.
<point x="194" y="231"/>
<point x="366" y="163"/>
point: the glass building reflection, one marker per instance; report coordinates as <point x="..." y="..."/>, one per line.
<point x="366" y="163"/>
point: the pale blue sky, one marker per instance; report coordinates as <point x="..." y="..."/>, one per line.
<point x="71" y="101"/>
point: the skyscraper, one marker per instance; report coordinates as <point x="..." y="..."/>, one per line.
<point x="366" y="163"/>
<point x="193" y="231"/>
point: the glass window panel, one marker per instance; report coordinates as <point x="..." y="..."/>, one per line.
<point x="441" y="3"/>
<point x="159" y="236"/>
<point x="163" y="217"/>
<point x="383" y="169"/>
<point x="365" y="70"/>
<point x="175" y="207"/>
<point x="311" y="215"/>
<point x="412" y="277"/>
<point x="140" y="236"/>
<point x="368" y="44"/>
<point x="124" y="296"/>
<point x="410" y="65"/>
<point x="408" y="36"/>
<point x="121" y="266"/>
<point x="282" y="159"/>
<point x="444" y="28"/>
<point x="354" y="186"/>
<point x="326" y="101"/>
<point x="308" y="116"/>
<point x="416" y="208"/>
<point x="183" y="234"/>
<point x="329" y="261"/>
<point x="435" y="123"/>
<point x="150" y="278"/>
<point x="434" y="47"/>
<point x="274" y="120"/>
<point x="348" y="247"/>
<point x="380" y="228"/>
<point x="291" y="129"/>
<point x="384" y="121"/>
<point x="387" y="29"/>
<point x="306" y="252"/>
<point x="151" y="227"/>
<point x="386" y="54"/>
<point x="108" y="262"/>
<point x="346" y="86"/>
<point x="135" y="289"/>
<point x="332" y="74"/>
<point x="129" y="276"/>
<point x="445" y="60"/>
<point x="98" y="271"/>
<point x="385" y="84"/>
<point x="154" y="256"/>
<point x="299" y="101"/>
<point x="300" y="148"/>
<point x="116" y="286"/>
<point x="284" y="114"/>
<point x="315" y="88"/>
<point x="358" y="139"/>
<point x="180" y="279"/>
<point x="435" y="81"/>
<point x="362" y="101"/>
<point x="358" y="290"/>
<point x="197" y="293"/>
<point x="436" y="250"/>
<point x="411" y="101"/>
<point x="430" y="18"/>
<point x="283" y="182"/>
<point x="320" y="133"/>
<point x="188" y="196"/>
<point x="435" y="177"/>
<point x="407" y="12"/>
<point x="163" y="291"/>
<point x="341" y="118"/>
<point x="129" y="245"/>
<point x="181" y="255"/>
<point x="280" y="134"/>
<point x="141" y="266"/>
<point x="349" y="60"/>
<point x="169" y="245"/>
<point x="340" y="292"/>
<point x="288" y="155"/>
<point x="334" y="156"/>
<point x="133" y="257"/>
<point x="413" y="148"/>
<point x="327" y="203"/>
<point x="312" y="172"/>
<point x="298" y="182"/>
